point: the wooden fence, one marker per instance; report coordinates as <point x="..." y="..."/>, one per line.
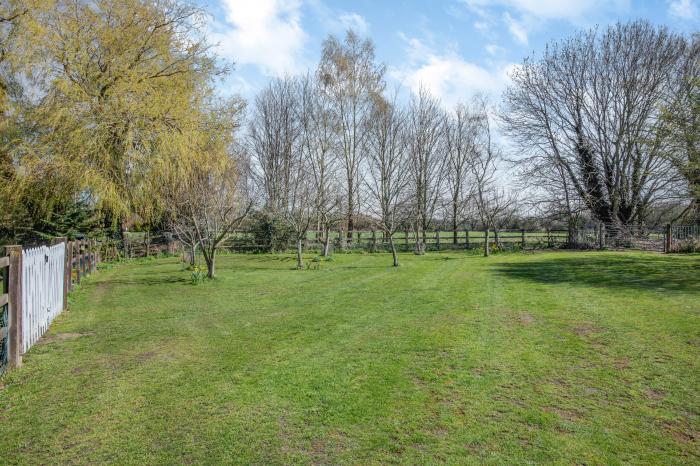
<point x="374" y="241"/>
<point x="36" y="282"/>
<point x="666" y="239"/>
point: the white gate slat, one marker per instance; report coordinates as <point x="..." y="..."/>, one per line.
<point x="42" y="290"/>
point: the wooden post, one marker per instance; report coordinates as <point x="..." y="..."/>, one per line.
<point x="668" y="244"/>
<point x="93" y="260"/>
<point x="97" y="252"/>
<point x="522" y="238"/>
<point x="374" y="241"/>
<point x="405" y="239"/>
<point x="69" y="266"/>
<point x="78" y="261"/>
<point x="437" y="239"/>
<point x="601" y="236"/>
<point x="486" y="242"/>
<point x="549" y="238"/>
<point x="359" y="236"/>
<point x="88" y="259"/>
<point x="14" y="305"/>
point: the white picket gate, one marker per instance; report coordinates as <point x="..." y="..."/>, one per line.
<point x="42" y="290"/>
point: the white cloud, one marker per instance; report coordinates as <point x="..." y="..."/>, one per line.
<point x="522" y="17"/>
<point x="683" y="9"/>
<point x="494" y="49"/>
<point x="448" y="75"/>
<point x="575" y="11"/>
<point x="516" y="28"/>
<point x="338" y="21"/>
<point x="355" y="22"/>
<point x="265" y="33"/>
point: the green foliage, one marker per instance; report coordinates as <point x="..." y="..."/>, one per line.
<point x="271" y="233"/>
<point x="197" y="275"/>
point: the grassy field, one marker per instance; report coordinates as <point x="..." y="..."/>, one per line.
<point x="553" y="357"/>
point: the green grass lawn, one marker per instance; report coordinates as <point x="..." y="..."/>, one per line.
<point x="557" y="357"/>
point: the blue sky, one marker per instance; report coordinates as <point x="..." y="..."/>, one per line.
<point x="455" y="47"/>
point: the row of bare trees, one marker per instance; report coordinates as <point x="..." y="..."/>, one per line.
<point x="594" y="126"/>
<point x="330" y="145"/>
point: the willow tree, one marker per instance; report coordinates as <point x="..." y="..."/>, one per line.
<point x="114" y="79"/>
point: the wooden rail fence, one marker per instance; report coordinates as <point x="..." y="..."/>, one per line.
<point x="36" y="282"/>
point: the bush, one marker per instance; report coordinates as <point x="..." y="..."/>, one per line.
<point x="686" y="246"/>
<point x="270" y="233"/>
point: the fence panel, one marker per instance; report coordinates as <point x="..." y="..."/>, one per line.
<point x="42" y="290"/>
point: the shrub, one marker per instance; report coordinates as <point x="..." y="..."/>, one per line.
<point x="270" y="233"/>
<point x="686" y="246"/>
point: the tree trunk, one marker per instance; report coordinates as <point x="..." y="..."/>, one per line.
<point x="454" y="223"/>
<point x="300" y="259"/>
<point x="351" y="207"/>
<point x="327" y="242"/>
<point x="393" y="250"/>
<point x="486" y="243"/>
<point x="419" y="248"/>
<point x="211" y="262"/>
<point x="497" y="238"/>
<point x="193" y="253"/>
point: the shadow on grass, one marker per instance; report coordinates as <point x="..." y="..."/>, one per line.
<point x="144" y="280"/>
<point x="667" y="273"/>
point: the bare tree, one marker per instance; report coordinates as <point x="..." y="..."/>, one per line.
<point x="318" y="125"/>
<point x="387" y="176"/>
<point x="206" y="205"/>
<point x="461" y="131"/>
<point x="589" y="108"/>
<point x="486" y="197"/>
<point x="681" y="127"/>
<point x="274" y="133"/>
<point x="426" y="151"/>
<point x="351" y="80"/>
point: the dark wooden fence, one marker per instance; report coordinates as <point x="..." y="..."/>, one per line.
<point x="439" y="240"/>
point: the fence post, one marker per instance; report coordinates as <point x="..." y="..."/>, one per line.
<point x="486" y="242"/>
<point x="601" y="237"/>
<point x="66" y="277"/>
<point x="437" y="239"/>
<point x="14" y="305"/>
<point x="91" y="242"/>
<point x="88" y="262"/>
<point x="69" y="266"/>
<point x="522" y="238"/>
<point x="78" y="261"/>
<point x="374" y="241"/>
<point x="466" y="238"/>
<point x="96" y="252"/>
<point x="405" y="240"/>
<point x="668" y="244"/>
